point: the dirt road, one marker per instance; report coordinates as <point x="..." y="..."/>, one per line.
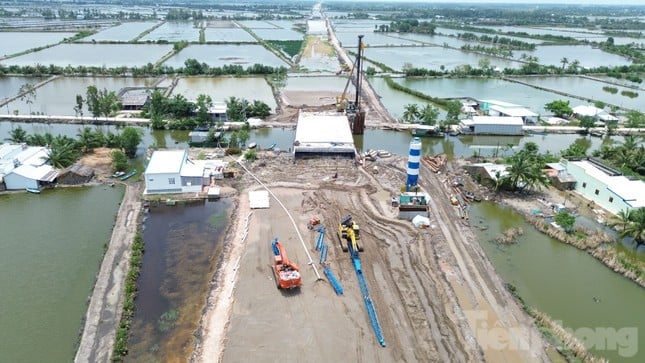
<point x="104" y="311"/>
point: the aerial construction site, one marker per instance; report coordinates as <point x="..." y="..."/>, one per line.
<point x="372" y="285"/>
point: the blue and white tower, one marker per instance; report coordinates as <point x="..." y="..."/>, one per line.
<point x="414" y="157"/>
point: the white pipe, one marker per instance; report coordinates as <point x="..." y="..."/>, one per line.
<point x="295" y="226"/>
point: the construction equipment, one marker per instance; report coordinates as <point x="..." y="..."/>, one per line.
<point x="314" y="221"/>
<point x="349" y="234"/>
<point x="343" y="104"/>
<point x="287" y="273"/>
<point x="355" y="116"/>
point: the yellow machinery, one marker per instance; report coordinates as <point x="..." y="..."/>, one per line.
<point x="349" y="234"/>
<point x="343" y="103"/>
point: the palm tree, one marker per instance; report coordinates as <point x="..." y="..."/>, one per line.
<point x="564" y="62"/>
<point x="18" y="135"/>
<point x="62" y="152"/>
<point x="621" y="220"/>
<point x="428" y="115"/>
<point x="631" y="223"/>
<point x="411" y="113"/>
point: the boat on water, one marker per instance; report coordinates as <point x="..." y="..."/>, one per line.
<point x="272" y="146"/>
<point x="33" y="190"/>
<point x="252" y="145"/>
<point x="128" y="175"/>
<point x="427" y="131"/>
<point x="287" y="273"/>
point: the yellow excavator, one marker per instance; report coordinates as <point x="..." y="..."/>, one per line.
<point x="349" y="234"/>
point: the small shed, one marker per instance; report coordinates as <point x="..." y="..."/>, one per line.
<point x="76" y="174"/>
<point x="134" y="101"/>
<point x="560" y="178"/>
<point x="217" y="113"/>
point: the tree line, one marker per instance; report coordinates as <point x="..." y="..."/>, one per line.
<point x="65" y="151"/>
<point x="191" y="67"/>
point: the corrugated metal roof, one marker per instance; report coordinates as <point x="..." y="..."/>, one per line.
<point x="514" y="111"/>
<point x="497" y="120"/>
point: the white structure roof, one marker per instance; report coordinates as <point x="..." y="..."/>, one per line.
<point x="217" y="108"/>
<point x="323" y="132"/>
<point x="189" y="168"/>
<point x="497" y="120"/>
<point x="587" y="110"/>
<point x="259" y="199"/>
<point x="14" y="155"/>
<point x="513" y="111"/>
<point x="631" y="191"/>
<point x="166" y="161"/>
<point x="492" y="169"/>
<point x="501" y="103"/>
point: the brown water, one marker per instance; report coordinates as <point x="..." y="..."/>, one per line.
<point x="182" y="250"/>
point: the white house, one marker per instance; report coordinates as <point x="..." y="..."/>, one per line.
<point x="23" y="166"/>
<point x="171" y="171"/>
<point x="606" y="187"/>
<point x="598" y="113"/>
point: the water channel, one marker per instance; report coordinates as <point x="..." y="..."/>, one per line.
<point x="566" y="283"/>
<point x="182" y="249"/>
<point x="52" y="245"/>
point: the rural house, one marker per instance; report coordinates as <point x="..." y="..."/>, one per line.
<point x="605" y="186"/>
<point x="171" y="171"/>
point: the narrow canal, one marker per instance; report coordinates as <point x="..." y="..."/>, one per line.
<point x="182" y="250"/>
<point x="52" y="245"/>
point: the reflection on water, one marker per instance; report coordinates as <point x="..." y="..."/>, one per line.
<point x="568" y="284"/>
<point x="182" y="249"/>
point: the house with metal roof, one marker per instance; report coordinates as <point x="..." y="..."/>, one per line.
<point x="597" y="113"/>
<point x="323" y="135"/>
<point x="605" y="186"/>
<point x="23" y="166"/>
<point x="492" y="125"/>
<point x="500" y="108"/>
<point x="171" y="171"/>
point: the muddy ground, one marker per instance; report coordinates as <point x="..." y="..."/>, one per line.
<point x="436" y="294"/>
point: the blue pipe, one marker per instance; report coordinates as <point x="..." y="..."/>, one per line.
<point x="332" y="279"/>
<point x="369" y="305"/>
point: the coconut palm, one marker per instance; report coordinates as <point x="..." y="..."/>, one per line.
<point x="62" y="152"/>
<point x="564" y="62"/>
<point x="631" y="223"/>
<point x="411" y="113"/>
<point x="18" y="135"/>
<point x="621" y="220"/>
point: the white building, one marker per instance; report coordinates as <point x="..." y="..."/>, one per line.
<point x="606" y="187"/>
<point x="23" y="166"/>
<point x="171" y="171"/>
<point x="597" y="113"/>
<point x="323" y="134"/>
<point x="500" y="108"/>
<point x="492" y="125"/>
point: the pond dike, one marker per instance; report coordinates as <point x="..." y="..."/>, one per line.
<point x="80" y="120"/>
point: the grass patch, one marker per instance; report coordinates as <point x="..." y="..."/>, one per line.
<point x="289" y="47"/>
